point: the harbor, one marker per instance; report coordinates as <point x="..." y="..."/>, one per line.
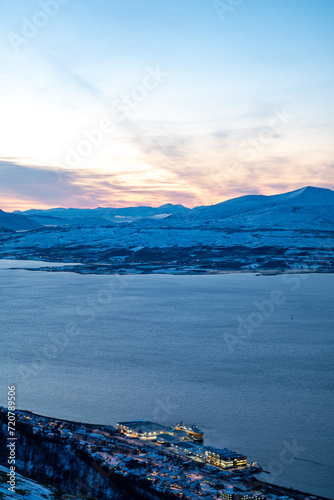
<point x="171" y="461"/>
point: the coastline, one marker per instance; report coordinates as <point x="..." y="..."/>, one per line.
<point x="107" y="269"/>
<point x="265" y="488"/>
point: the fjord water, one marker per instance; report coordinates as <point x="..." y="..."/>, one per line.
<point x="168" y="348"/>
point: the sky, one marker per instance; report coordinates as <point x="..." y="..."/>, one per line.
<point x="144" y="102"/>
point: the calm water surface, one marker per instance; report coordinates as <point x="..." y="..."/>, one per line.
<point x="169" y="348"/>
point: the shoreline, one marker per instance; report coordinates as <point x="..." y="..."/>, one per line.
<point x="108" y="269"/>
<point x="252" y="481"/>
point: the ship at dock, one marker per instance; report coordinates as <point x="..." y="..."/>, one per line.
<point x="193" y="431"/>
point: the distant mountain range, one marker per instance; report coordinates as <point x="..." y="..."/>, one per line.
<point x="306" y="206"/>
<point x="16" y="222"/>
<point x="98" y="216"/>
<point x="289" y="231"/>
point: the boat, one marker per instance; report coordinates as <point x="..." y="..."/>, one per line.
<point x="193" y="431"/>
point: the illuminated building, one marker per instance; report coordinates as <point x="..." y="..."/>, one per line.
<point x="225" y="458"/>
<point x="141" y="428"/>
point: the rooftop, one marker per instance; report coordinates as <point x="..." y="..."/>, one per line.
<point x="144" y="425"/>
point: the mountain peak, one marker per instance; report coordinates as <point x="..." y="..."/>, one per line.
<point x="318" y="200"/>
<point x="308" y="194"/>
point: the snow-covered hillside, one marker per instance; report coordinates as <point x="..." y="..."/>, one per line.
<point x="27" y="489"/>
<point x="16" y="222"/>
<point x="307" y="207"/>
<point x="290" y="231"/>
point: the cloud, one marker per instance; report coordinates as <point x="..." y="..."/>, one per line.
<point x="29" y="186"/>
<point x="40" y="185"/>
<point x="172" y="170"/>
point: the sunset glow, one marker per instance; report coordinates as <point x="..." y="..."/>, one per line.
<point x="146" y="103"/>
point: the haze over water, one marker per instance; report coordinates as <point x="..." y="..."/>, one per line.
<point x="168" y="348"/>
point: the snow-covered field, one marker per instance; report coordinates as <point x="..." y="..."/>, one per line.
<point x="26" y="488"/>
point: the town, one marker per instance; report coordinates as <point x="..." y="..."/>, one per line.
<point x="172" y="460"/>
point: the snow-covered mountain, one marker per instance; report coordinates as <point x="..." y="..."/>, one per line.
<point x="307" y="207"/>
<point x="16" y="222"/>
<point x="101" y="215"/>
<point x="289" y="231"/>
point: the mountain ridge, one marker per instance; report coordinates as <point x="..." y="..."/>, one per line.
<point x="288" y="232"/>
<point x="305" y="207"/>
<point x="307" y="195"/>
<point x="16" y="222"/>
